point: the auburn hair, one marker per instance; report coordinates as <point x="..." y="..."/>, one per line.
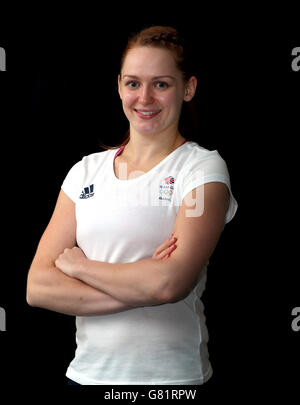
<point x="170" y="39"/>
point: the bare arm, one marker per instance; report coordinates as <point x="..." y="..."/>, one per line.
<point x="57" y="292"/>
<point x="50" y="288"/>
<point x="135" y="283"/>
<point x="150" y="281"/>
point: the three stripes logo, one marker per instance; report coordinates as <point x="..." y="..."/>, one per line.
<point x="87" y="192"/>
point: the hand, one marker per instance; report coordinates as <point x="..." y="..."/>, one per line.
<point x="165" y="249"/>
<point x="70" y="260"/>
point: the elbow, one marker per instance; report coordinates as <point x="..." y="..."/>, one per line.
<point x="169" y="294"/>
<point x="165" y="297"/>
<point x="172" y="287"/>
<point x="30" y="299"/>
<point x="174" y="290"/>
<point x="31" y="296"/>
<point x="169" y="289"/>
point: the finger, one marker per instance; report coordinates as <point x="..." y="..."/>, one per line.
<point x="169" y="251"/>
<point x="168" y="242"/>
<point x="162" y="250"/>
<point x="166" y="252"/>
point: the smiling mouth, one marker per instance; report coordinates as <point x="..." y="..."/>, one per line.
<point x="147" y="114"/>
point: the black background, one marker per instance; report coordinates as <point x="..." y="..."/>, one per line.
<point x="59" y="99"/>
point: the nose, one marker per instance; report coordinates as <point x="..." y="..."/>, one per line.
<point x="146" y="96"/>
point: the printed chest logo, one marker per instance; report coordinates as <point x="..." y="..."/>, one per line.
<point x="166" y="188"/>
<point x="87" y="192"/>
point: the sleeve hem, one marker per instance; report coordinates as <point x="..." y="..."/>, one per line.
<point x="210" y="179"/>
<point x="67" y="192"/>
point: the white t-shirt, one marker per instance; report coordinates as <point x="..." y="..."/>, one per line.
<point x="121" y="221"/>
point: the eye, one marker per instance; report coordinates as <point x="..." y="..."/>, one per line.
<point x="161" y="85"/>
<point x="131" y="84"/>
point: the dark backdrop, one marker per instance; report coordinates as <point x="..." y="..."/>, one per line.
<point x="59" y="99"/>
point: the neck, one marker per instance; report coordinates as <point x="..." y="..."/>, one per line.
<point x="143" y="148"/>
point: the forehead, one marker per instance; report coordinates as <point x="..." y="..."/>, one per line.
<point x="149" y="61"/>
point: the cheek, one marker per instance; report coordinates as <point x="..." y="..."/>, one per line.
<point x="172" y="101"/>
<point x="128" y="99"/>
<point x="164" y="99"/>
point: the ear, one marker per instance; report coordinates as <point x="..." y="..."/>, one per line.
<point x="190" y="88"/>
<point x="119" y="86"/>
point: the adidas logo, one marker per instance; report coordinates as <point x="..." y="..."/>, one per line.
<point x="87" y="192"/>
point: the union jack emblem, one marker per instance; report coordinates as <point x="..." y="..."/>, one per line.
<point x="169" y="180"/>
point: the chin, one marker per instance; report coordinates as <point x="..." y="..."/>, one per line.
<point x="147" y="131"/>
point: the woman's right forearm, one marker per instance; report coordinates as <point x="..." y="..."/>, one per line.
<point x="51" y="289"/>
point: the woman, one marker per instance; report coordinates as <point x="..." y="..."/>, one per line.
<point x="139" y="316"/>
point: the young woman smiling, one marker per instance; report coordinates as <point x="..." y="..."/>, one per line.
<point x="139" y="315"/>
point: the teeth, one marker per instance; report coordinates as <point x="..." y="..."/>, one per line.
<point x="148" y="112"/>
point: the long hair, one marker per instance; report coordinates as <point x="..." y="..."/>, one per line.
<point x="167" y="38"/>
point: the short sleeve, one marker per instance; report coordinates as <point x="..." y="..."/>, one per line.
<point x="210" y="169"/>
<point x="72" y="182"/>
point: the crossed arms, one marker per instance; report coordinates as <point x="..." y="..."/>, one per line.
<point x="62" y="279"/>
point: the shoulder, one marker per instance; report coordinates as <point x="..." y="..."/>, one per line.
<point x="95" y="159"/>
<point x="192" y="152"/>
<point x="197" y="158"/>
<point x="82" y="173"/>
<point x="91" y="162"/>
<point x="202" y="166"/>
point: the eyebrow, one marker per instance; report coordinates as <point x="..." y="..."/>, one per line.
<point x="153" y="78"/>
